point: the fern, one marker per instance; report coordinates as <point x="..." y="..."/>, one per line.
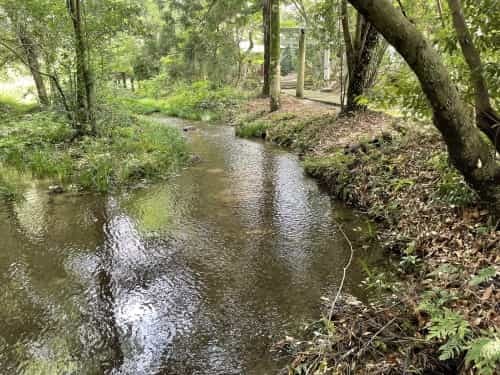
<point x="445" y="272"/>
<point x="434" y="300"/>
<point x="452" y="329"/>
<point x="484" y="275"/>
<point x="484" y="353"/>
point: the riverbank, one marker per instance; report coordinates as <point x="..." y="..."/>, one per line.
<point x="442" y="313"/>
<point x="127" y="149"/>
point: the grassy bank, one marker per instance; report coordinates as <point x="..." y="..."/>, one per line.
<point x="198" y="101"/>
<point x="438" y="310"/>
<point x="126" y="150"/>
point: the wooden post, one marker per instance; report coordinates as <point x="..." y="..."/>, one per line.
<point x="326" y="65"/>
<point x="302" y="64"/>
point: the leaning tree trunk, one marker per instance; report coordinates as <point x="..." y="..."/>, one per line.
<point x="85" y="96"/>
<point x="31" y="54"/>
<point x="470" y="153"/>
<point x="266" y="23"/>
<point x="275" y="70"/>
<point x="487" y="118"/>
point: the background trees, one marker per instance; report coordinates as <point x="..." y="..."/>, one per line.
<point x="76" y="50"/>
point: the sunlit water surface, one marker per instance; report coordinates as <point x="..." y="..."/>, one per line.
<point x="196" y="275"/>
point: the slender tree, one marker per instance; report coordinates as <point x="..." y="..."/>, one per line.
<point x="487" y="118"/>
<point x="266" y="23"/>
<point x="85" y="95"/>
<point x="275" y="70"/>
<point x="32" y="59"/>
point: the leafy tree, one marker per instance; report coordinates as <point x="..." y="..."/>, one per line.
<point x="471" y="154"/>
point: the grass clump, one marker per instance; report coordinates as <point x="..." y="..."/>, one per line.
<point x="127" y="149"/>
<point x="252" y="129"/>
<point x="201" y="100"/>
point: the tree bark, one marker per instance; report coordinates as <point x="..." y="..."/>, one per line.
<point x="359" y="73"/>
<point x="32" y="59"/>
<point x="486" y="117"/>
<point x="347" y="36"/>
<point x="360" y="53"/>
<point x="124" y="79"/>
<point x="469" y="152"/>
<point x="85" y="95"/>
<point x="302" y="64"/>
<point x="266" y="20"/>
<point x="275" y="69"/>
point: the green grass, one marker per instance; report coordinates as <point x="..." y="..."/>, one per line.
<point x="257" y="128"/>
<point x="198" y="101"/>
<point x="128" y="149"/>
<point x="10" y="106"/>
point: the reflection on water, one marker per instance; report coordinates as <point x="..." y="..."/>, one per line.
<point x="197" y="275"/>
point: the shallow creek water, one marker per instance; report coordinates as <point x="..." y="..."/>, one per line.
<point x="196" y="275"/>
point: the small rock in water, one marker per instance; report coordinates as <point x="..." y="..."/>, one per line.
<point x="189" y="128"/>
<point x="56" y="189"/>
<point x="194" y="159"/>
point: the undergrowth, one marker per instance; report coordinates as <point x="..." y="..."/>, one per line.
<point x="126" y="150"/>
<point x="10" y="106"/>
<point x="201" y="100"/>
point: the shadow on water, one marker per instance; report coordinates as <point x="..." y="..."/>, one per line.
<point x="197" y="275"/>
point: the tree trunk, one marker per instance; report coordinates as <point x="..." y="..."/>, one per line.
<point x="486" y="117"/>
<point x="469" y="152"/>
<point x="275" y="70"/>
<point x="32" y="59"/>
<point x="347" y="36"/>
<point x="302" y="64"/>
<point x="360" y="54"/>
<point x="132" y="84"/>
<point x="85" y="96"/>
<point x="440" y="12"/>
<point x="266" y="20"/>
<point x="358" y="78"/>
<point x="124" y="79"/>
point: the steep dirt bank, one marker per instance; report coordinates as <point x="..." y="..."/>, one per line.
<point x="442" y="316"/>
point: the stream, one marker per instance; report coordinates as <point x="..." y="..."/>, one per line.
<point x="198" y="274"/>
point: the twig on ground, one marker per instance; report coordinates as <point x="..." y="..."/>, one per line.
<point x="360" y="353"/>
<point x="346" y="267"/>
